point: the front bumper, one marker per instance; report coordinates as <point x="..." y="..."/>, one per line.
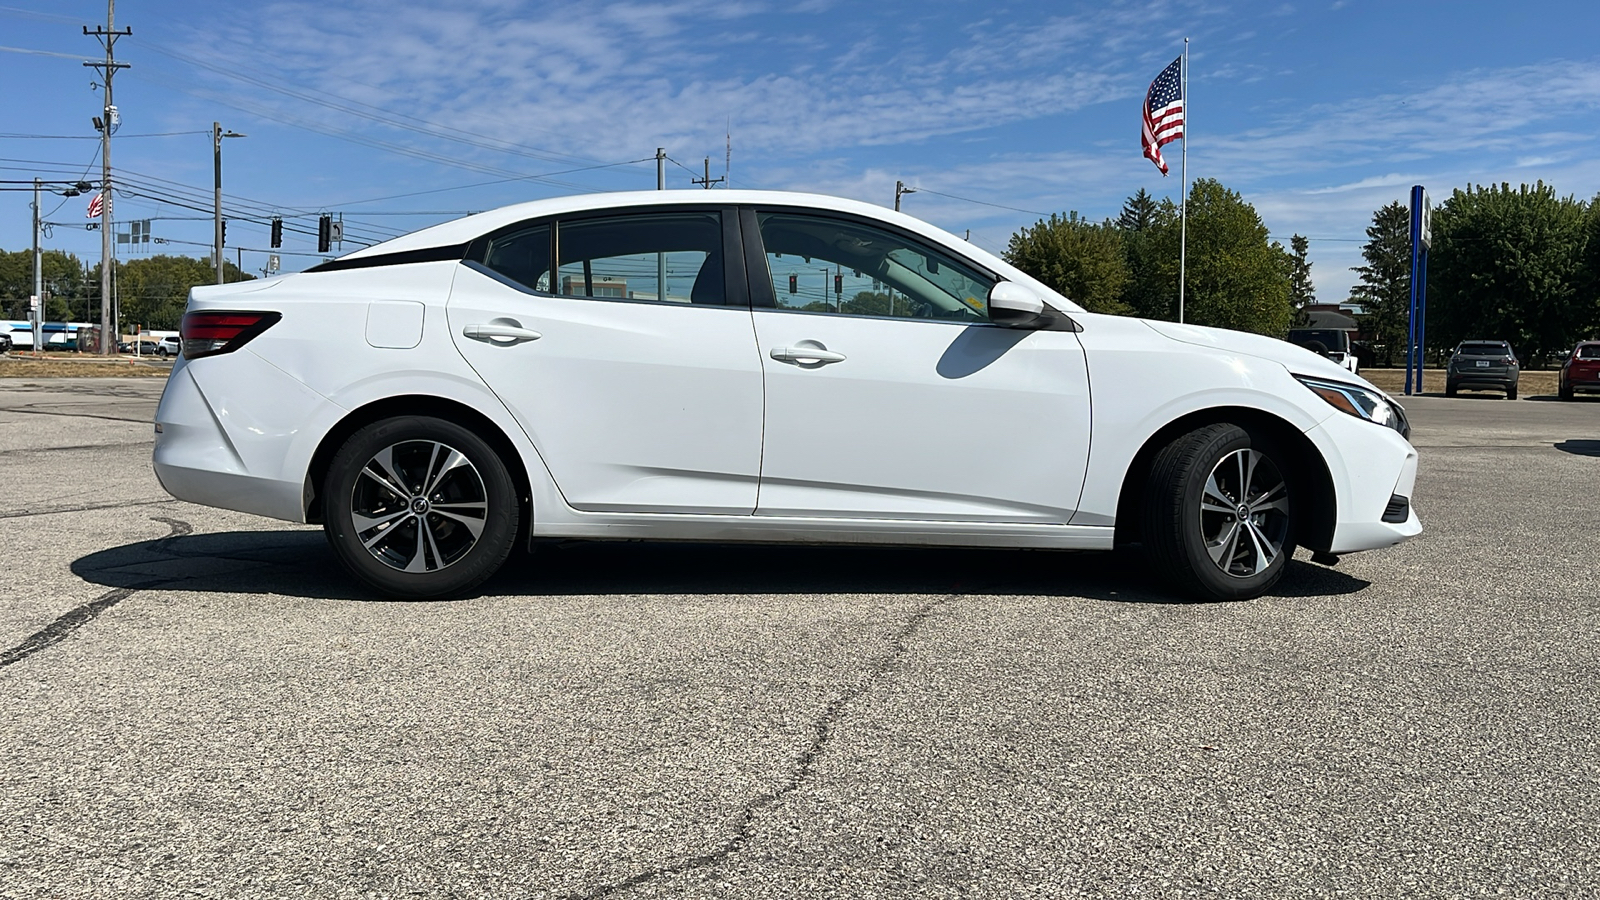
<point x="1370" y="466"/>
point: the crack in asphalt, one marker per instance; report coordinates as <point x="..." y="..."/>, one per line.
<point x="49" y="510"/>
<point x="802" y="770"/>
<point x="77" y="617"/>
<point x="46" y="412"/>
<point x="23" y="451"/>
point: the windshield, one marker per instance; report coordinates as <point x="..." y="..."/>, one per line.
<point x="1484" y="349"/>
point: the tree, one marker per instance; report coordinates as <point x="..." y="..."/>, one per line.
<point x="1385" y="287"/>
<point x="153" y="290"/>
<point x="1236" y="277"/>
<point x="1138" y="213"/>
<point x="63" y="280"/>
<point x="1301" y="291"/>
<point x="1080" y="259"/>
<point x="1150" y="245"/>
<point x="1509" y="264"/>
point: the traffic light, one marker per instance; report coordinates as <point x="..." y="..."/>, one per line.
<point x="224" y="232"/>
<point x="277" y="232"/>
<point x="794" y="283"/>
<point x="324" y="233"/>
<point x="838" y="285"/>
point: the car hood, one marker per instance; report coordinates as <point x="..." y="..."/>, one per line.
<point x="1298" y="360"/>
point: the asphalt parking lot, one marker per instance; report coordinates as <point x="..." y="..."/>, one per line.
<point x="198" y="703"/>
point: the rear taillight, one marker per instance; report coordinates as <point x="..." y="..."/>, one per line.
<point x="211" y="333"/>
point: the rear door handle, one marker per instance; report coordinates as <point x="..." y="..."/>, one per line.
<point x="500" y="331"/>
<point x="806" y="352"/>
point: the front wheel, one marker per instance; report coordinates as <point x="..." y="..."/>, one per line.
<point x="1218" y="514"/>
<point x="420" y="508"/>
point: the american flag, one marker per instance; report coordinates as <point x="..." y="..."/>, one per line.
<point x="94" y="206"/>
<point x="1163" y="113"/>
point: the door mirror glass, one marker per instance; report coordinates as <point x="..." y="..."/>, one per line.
<point x="1016" y="306"/>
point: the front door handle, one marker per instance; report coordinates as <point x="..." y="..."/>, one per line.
<point x="806" y="353"/>
<point x="504" y="332"/>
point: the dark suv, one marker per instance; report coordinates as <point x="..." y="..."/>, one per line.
<point x="1483" y="365"/>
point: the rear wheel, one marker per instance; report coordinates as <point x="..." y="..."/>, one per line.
<point x="1566" y="391"/>
<point x="1218" y="519"/>
<point x="1511" y="391"/>
<point x="420" y="508"/>
<point x="1449" y="389"/>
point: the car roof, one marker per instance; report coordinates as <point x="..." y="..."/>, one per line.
<point x="459" y="231"/>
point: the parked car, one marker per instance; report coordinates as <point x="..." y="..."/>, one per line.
<point x="168" y="346"/>
<point x="144" y="348"/>
<point x="1334" y="343"/>
<point x="757" y="366"/>
<point x="1483" y="365"/>
<point x="5" y="343"/>
<point x="1581" y="372"/>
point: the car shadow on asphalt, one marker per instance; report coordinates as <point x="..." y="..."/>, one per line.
<point x="1579" y="447"/>
<point x="300" y="564"/>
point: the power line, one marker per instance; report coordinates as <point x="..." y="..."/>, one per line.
<point x="85" y="137"/>
<point x="1031" y="212"/>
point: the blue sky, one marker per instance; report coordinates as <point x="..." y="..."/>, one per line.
<point x="1318" y="113"/>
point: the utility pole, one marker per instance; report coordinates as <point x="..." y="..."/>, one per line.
<point x="900" y="188"/>
<point x="661" y="258"/>
<point x="707" y="181"/>
<point x="217" y="134"/>
<point x="36" y="305"/>
<point x="108" y="38"/>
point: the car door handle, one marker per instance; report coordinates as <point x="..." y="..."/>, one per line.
<point x="807" y="352"/>
<point x="500" y="333"/>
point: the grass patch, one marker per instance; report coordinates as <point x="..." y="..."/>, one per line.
<point x="12" y="366"/>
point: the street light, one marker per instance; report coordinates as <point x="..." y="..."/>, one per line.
<point x="217" y="134"/>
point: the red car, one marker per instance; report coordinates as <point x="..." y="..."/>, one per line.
<point x="1582" y="370"/>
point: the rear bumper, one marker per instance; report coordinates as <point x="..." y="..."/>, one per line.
<point x="1490" y="378"/>
<point x="238" y="435"/>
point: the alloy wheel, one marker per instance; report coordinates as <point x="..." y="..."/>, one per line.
<point x="418" y="506"/>
<point x="1244" y="513"/>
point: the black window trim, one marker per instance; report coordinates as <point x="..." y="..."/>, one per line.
<point x="446" y="253"/>
<point x="735" y="286"/>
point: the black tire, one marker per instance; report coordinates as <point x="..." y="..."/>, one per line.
<point x="1449" y="389"/>
<point x="1511" y="392"/>
<point x="418" y="544"/>
<point x="1317" y="347"/>
<point x="1176" y="522"/>
<point x="1566" y="392"/>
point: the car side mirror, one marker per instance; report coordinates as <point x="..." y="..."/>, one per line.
<point x="1012" y="305"/>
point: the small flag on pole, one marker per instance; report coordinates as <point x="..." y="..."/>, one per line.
<point x="1163" y="113"/>
<point x="94" y="206"/>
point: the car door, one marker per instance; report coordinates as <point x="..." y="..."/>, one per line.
<point x="633" y="370"/>
<point x="888" y="392"/>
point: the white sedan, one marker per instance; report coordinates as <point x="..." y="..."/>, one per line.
<point x="755" y="366"/>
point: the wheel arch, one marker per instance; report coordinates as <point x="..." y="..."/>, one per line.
<point x="417" y="405"/>
<point x="1310" y="469"/>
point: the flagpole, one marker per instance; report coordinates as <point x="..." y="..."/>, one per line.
<point x="1183" y="227"/>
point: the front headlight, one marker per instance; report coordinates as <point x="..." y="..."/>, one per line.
<point x="1360" y="402"/>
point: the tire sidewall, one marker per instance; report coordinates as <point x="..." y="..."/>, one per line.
<point x="1187" y="562"/>
<point x="501" y="520"/>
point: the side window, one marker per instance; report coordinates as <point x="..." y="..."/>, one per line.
<point x="820" y="264"/>
<point x="668" y="257"/>
<point x="522" y="256"/>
